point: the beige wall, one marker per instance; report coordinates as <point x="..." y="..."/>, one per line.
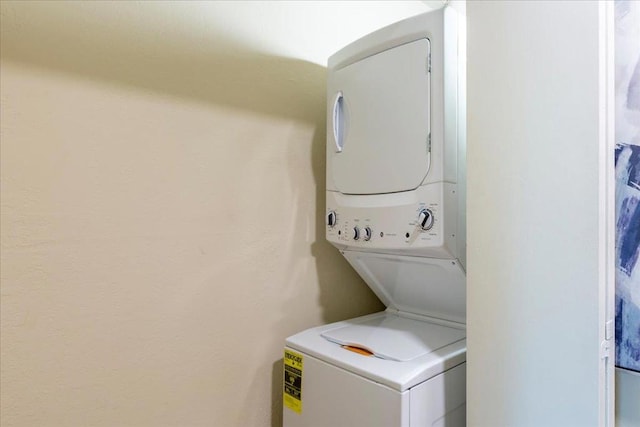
<point x="162" y="213"/>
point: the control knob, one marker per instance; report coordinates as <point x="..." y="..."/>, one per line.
<point x="366" y="234"/>
<point x="331" y="219"/>
<point x="356" y="233"/>
<point x="425" y="219"/>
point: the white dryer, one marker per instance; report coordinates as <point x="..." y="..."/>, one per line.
<point x="396" y="211"/>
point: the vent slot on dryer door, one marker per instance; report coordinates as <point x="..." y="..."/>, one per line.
<point x="385" y="98"/>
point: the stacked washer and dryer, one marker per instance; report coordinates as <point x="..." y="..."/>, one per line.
<point x="396" y="211"/>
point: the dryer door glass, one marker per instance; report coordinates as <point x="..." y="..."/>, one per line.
<point x="383" y="121"/>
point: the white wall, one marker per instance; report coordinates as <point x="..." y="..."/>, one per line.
<point x="627" y="398"/>
<point x="162" y="192"/>
<point x="535" y="225"/>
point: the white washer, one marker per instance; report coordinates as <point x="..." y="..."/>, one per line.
<point x="425" y="387"/>
<point x="396" y="211"/>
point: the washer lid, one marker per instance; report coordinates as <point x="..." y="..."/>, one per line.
<point x="393" y="337"/>
<point x="397" y="375"/>
<point x="379" y="121"/>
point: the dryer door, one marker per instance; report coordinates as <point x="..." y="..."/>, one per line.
<point x="378" y="121"/>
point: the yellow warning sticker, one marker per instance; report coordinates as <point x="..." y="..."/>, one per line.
<point x="292" y="397"/>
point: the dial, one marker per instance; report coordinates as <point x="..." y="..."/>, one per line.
<point x="356" y="233"/>
<point x="332" y="219"/>
<point x="425" y="219"/>
<point x="366" y="234"/>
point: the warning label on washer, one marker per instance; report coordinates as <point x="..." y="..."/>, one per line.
<point x="292" y="397"/>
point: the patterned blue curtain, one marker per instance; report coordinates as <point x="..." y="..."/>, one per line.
<point x="627" y="157"/>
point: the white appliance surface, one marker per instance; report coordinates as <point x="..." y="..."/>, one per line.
<point x="416" y="60"/>
<point x="395" y="141"/>
<point x="393" y="221"/>
<point x="430" y="347"/>
<point x="425" y="286"/>
<point x="333" y="397"/>
<point x="394" y="337"/>
<point x="382" y="123"/>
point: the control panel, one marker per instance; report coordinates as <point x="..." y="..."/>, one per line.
<point x="410" y="222"/>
